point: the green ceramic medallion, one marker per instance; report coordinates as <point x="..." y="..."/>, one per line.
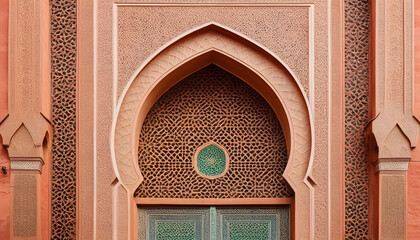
<point x="211" y="161"/>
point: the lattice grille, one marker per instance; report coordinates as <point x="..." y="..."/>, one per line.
<point x="357" y="107"/>
<point x="212" y="105"/>
<point x="63" y="76"/>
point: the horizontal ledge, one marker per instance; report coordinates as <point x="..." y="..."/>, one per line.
<point x="31" y="165"/>
<point x="214" y="201"/>
<point x="151" y="4"/>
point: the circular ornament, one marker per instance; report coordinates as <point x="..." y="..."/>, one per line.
<point x="211" y="160"/>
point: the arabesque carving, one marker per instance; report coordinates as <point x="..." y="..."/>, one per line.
<point x="215" y="44"/>
<point x="357" y="30"/>
<point x="63" y="80"/>
<point x="212" y="105"/>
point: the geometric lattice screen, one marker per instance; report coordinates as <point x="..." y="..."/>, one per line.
<point x="214" y="223"/>
<point x="357" y="77"/>
<point x="64" y="48"/>
<point x="212" y="105"/>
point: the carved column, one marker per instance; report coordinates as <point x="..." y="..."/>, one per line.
<point x="394" y="127"/>
<point x="25" y="129"/>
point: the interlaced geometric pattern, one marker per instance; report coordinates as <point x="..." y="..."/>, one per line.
<point x="175" y="223"/>
<point x="63" y="77"/>
<point x="211" y="161"/>
<point x="212" y="105"/>
<point x="224" y="223"/>
<point x="175" y="230"/>
<point x="253" y="223"/>
<point x="249" y="231"/>
<point x="357" y="17"/>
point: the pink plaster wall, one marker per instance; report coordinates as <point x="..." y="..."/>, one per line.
<point x="4" y="159"/>
<point x="413" y="199"/>
<point x="4" y="21"/>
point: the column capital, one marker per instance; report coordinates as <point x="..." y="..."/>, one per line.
<point x="26" y="164"/>
<point x="26" y="125"/>
<point x="391" y="165"/>
<point x="394" y="127"/>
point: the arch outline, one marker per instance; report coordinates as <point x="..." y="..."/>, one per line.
<point x="213" y="43"/>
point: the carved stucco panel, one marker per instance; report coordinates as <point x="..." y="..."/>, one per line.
<point x="283" y="28"/>
<point x="188" y="48"/>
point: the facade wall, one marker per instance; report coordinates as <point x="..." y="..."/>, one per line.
<point x="130" y="25"/>
<point x="108" y="56"/>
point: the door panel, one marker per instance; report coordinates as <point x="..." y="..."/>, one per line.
<point x="226" y="223"/>
<point x="173" y="223"/>
<point x="253" y="223"/>
<point x="175" y="227"/>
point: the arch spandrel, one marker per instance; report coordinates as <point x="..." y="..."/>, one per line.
<point x="252" y="63"/>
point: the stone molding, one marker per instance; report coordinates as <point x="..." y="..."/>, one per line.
<point x="24" y="128"/>
<point x="394" y="127"/>
<point x="31" y="165"/>
<point x="391" y="166"/>
<point x="213" y="43"/>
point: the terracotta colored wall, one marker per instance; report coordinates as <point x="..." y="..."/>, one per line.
<point x="4" y="189"/>
<point x="4" y="160"/>
<point x="413" y="207"/>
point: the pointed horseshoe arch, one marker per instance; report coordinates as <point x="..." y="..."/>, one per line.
<point x="254" y="64"/>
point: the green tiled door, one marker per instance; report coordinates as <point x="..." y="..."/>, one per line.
<point x="211" y="223"/>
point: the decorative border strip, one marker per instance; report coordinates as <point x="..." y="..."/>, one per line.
<point x="63" y="77"/>
<point x="357" y="27"/>
<point x="26" y="165"/>
<point x="215" y="201"/>
<point x="391" y="166"/>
